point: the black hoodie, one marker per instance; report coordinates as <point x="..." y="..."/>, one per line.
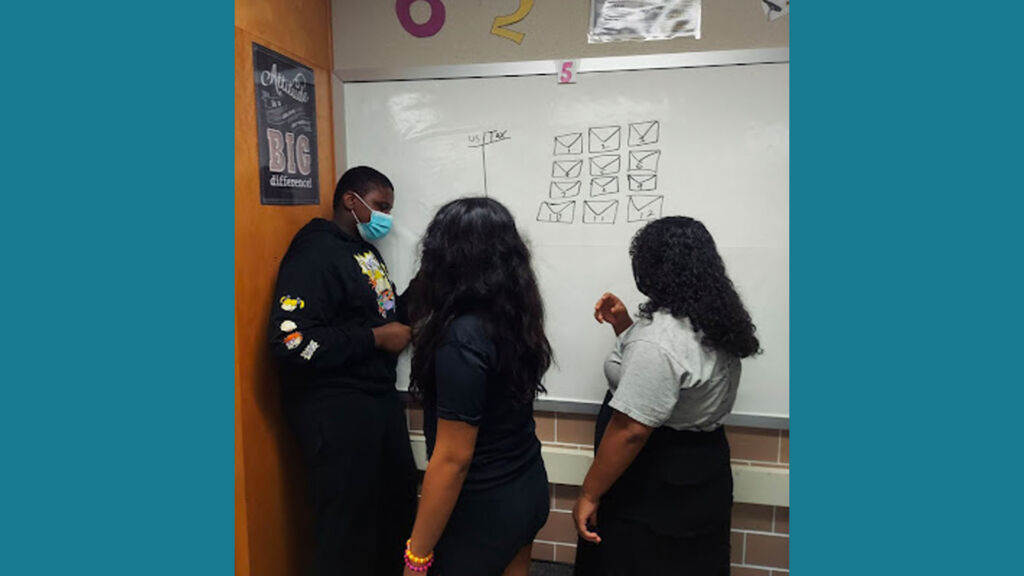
<point x="332" y="290"/>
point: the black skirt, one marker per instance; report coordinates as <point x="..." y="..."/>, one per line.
<point x="669" y="513"/>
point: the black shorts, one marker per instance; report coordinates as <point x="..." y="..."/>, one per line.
<point x="488" y="527"/>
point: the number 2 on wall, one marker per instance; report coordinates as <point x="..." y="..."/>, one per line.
<point x="500" y="22"/>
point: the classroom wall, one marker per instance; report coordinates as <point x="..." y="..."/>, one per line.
<point x="367" y="33"/>
<point x="272" y="520"/>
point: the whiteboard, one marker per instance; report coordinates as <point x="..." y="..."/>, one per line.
<point x="709" y="142"/>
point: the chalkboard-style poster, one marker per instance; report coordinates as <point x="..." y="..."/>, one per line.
<point x="286" y="124"/>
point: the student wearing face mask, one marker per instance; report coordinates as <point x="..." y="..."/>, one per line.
<point x="336" y="329"/>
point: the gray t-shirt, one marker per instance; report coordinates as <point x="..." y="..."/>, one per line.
<point x="661" y="375"/>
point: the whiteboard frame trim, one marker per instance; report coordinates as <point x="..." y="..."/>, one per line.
<point x="587" y="65"/>
<point x="586" y="407"/>
<point x="767" y="421"/>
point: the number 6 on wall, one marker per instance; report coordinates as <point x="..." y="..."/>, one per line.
<point x="433" y="25"/>
<point x="500" y="22"/>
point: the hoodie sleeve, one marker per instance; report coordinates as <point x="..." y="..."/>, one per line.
<point x="405" y="300"/>
<point x="300" y="335"/>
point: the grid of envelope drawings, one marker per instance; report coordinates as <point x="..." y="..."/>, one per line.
<point x="593" y="161"/>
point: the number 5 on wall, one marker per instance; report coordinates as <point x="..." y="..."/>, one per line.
<point x="500" y="22"/>
<point x="567" y="70"/>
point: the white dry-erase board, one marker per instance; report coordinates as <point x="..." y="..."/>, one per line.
<point x="582" y="166"/>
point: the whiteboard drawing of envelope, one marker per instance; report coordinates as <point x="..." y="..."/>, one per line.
<point x="569" y="144"/>
<point x="642" y="182"/>
<point x="643" y="208"/>
<point x="600" y="211"/>
<point x="605" y="138"/>
<point x="604" y="185"/>
<point x="643" y="133"/>
<point x="565" y="189"/>
<point x="557" y="212"/>
<point x="605" y="165"/>
<point x="566" y="168"/>
<point x="644" y="160"/>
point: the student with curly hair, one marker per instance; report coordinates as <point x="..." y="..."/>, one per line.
<point x="661" y="474"/>
<point x="479" y="354"/>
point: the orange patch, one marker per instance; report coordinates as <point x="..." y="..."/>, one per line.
<point x="293" y="340"/>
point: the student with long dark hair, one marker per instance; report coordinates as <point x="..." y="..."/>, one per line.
<point x="661" y="475"/>
<point x="479" y="354"/>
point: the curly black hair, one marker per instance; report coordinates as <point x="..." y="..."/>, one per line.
<point x="473" y="261"/>
<point x="677" y="266"/>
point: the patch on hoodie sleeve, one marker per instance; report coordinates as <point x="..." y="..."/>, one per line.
<point x="290" y="304"/>
<point x="293" y="340"/>
<point x="307" y="352"/>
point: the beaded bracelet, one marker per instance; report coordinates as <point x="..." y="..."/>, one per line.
<point x="415" y="568"/>
<point x="417" y="563"/>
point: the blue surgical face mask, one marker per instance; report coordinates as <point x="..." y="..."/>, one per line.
<point x="378" y="226"/>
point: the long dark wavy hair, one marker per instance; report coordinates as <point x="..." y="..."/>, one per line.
<point x="473" y="261"/>
<point x="677" y="266"/>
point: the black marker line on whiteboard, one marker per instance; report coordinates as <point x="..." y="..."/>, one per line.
<point x="486" y="139"/>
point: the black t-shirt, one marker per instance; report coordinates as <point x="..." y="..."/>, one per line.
<point x="468" y="390"/>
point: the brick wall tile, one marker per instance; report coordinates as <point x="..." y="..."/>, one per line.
<point x="765" y="550"/>
<point x="575" y="429"/>
<point x="559" y="528"/>
<point x="753" y="443"/>
<point x="545" y="426"/>
<point x="736" y="547"/>
<point x="565" y="497"/>
<point x="565" y="554"/>
<point x="784" y="450"/>
<point x="543" y="551"/>
<point x="782" y="520"/>
<point x="751" y="517"/>
<point x="415" y="419"/>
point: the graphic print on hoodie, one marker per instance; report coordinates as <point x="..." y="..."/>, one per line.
<point x="377" y="273"/>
